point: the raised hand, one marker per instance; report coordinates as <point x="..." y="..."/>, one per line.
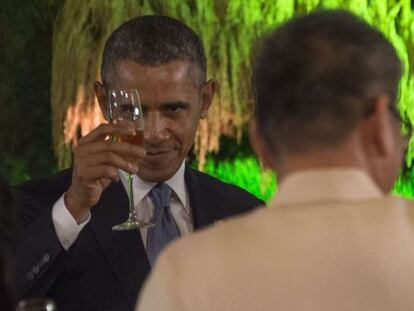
<point x="96" y="161"/>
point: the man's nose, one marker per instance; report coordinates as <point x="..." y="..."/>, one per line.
<point x="155" y="128"/>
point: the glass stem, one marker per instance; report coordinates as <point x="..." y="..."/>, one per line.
<point x="132" y="214"/>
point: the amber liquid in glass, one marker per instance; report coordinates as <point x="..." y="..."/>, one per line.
<point x="136" y="139"/>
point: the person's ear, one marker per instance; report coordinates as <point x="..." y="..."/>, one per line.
<point x="207" y="94"/>
<point x="101" y="95"/>
<point x="259" y="145"/>
<point x="378" y="128"/>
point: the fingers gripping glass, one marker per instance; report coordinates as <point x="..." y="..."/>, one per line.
<point x="125" y="106"/>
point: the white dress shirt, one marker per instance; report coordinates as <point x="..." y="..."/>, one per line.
<point x="67" y="229"/>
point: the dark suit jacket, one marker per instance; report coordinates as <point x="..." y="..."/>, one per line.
<point x="104" y="269"/>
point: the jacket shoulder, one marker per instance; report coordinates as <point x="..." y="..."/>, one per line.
<point x="45" y="188"/>
<point x="226" y="190"/>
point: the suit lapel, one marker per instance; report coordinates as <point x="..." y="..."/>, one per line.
<point x="124" y="250"/>
<point x="201" y="200"/>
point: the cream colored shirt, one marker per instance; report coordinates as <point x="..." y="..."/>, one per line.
<point x="329" y="241"/>
<point x="67" y="229"/>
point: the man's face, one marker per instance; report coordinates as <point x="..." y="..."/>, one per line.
<point x="173" y="103"/>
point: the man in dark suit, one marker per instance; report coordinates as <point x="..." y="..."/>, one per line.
<point x="68" y="250"/>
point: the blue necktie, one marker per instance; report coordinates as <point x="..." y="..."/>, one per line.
<point x="165" y="229"/>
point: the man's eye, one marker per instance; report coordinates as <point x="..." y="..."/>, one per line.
<point x="175" y="108"/>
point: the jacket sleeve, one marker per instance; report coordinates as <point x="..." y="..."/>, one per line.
<point x="37" y="249"/>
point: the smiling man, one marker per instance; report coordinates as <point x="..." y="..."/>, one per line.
<point x="68" y="250"/>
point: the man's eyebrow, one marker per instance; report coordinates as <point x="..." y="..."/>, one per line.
<point x="175" y="103"/>
<point x="172" y="103"/>
<point x="168" y="105"/>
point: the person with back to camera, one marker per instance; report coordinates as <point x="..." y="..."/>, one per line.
<point x="333" y="237"/>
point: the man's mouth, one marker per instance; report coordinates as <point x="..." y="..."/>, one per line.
<point x="156" y="157"/>
<point x="156" y="153"/>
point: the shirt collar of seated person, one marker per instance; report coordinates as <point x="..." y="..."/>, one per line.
<point x="173" y="101"/>
<point x="376" y="145"/>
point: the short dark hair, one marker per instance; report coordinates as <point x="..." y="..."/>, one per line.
<point x="153" y="40"/>
<point x="314" y="77"/>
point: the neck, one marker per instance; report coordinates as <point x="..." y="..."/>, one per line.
<point x="346" y="155"/>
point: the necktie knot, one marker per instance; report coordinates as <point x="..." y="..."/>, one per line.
<point x="160" y="194"/>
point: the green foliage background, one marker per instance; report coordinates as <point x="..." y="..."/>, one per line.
<point x="25" y="59"/>
<point x="228" y="28"/>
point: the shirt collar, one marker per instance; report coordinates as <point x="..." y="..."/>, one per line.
<point x="176" y="183"/>
<point x="324" y="185"/>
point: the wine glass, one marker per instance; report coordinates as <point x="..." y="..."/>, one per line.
<point x="36" y="304"/>
<point x="125" y="106"/>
